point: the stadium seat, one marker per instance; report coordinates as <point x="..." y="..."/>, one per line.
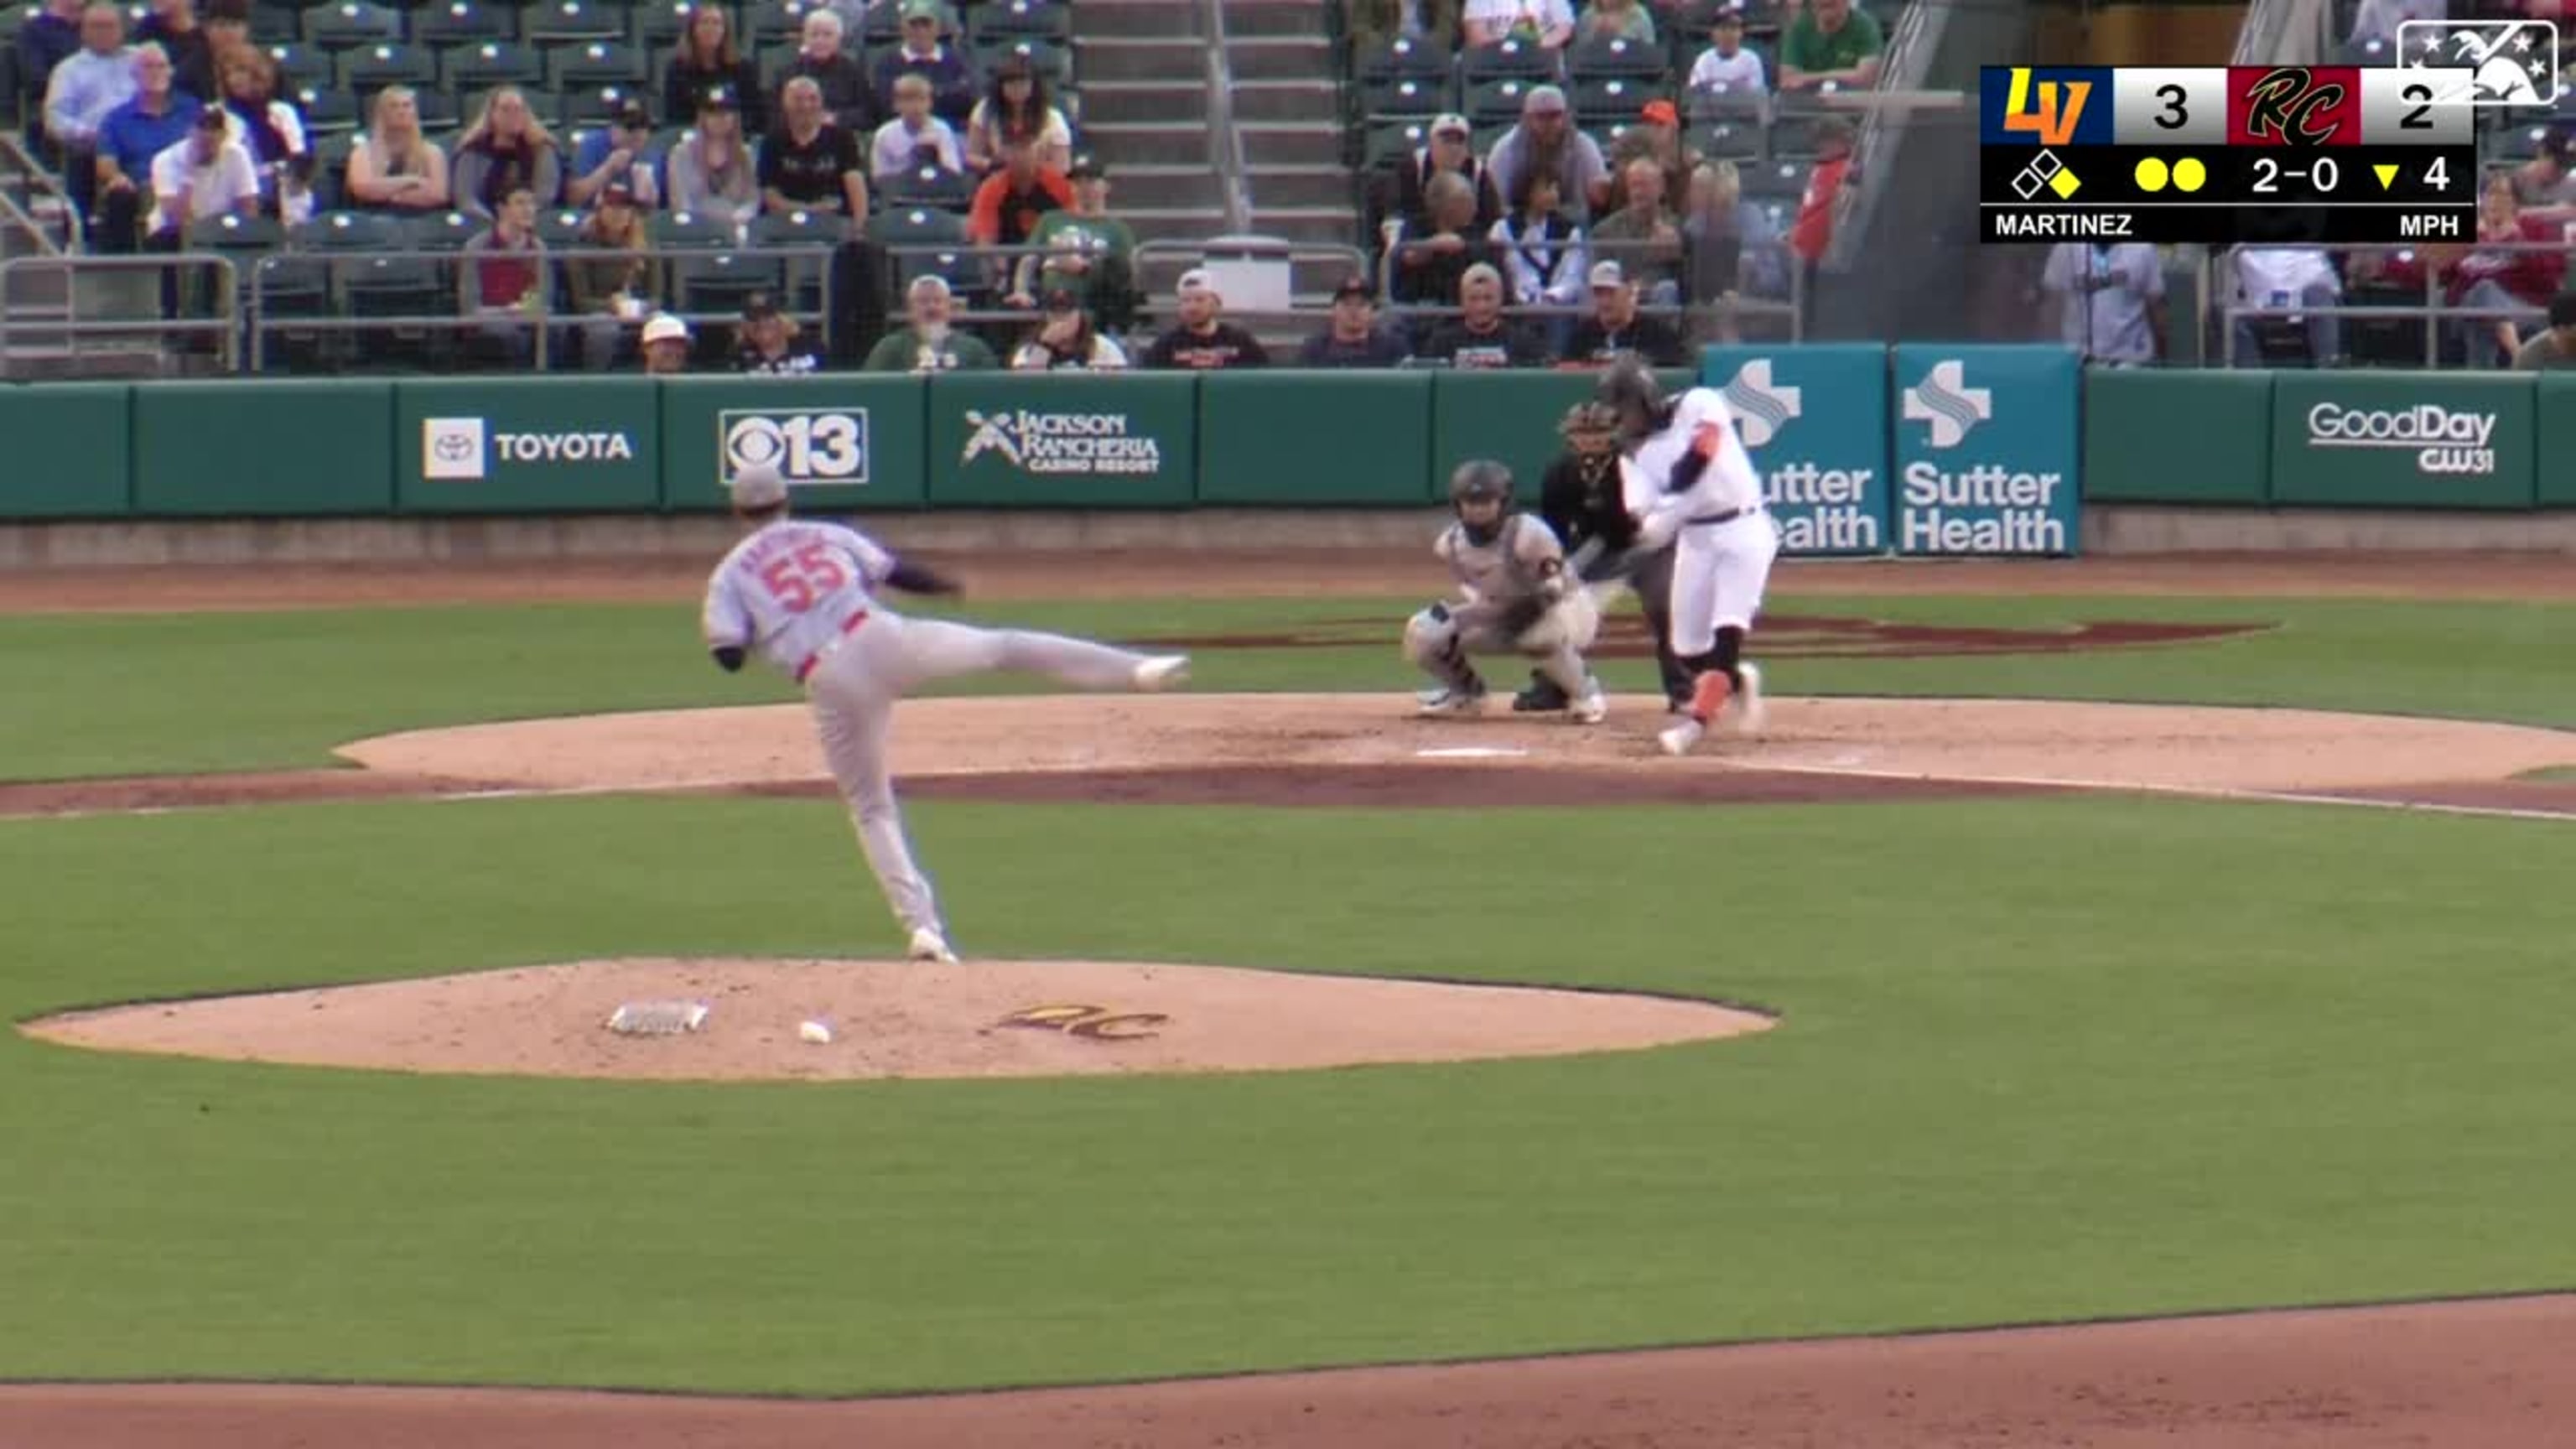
<point x="595" y="105"/>
<point x="443" y="110"/>
<point x="1612" y="101"/>
<point x="1406" y="96"/>
<point x="883" y="26"/>
<point x="1497" y="102"/>
<point x="1784" y="179"/>
<point x="471" y="68"/>
<point x="274" y="22"/>
<point x="1049" y="20"/>
<point x="370" y="69"/>
<point x="1724" y="103"/>
<point x="444" y="231"/>
<point x="1617" y="58"/>
<point x="560" y="21"/>
<point x="1728" y="140"/>
<point x="722" y="281"/>
<point x="815" y="232"/>
<point x="458" y="21"/>
<point x="1052" y="62"/>
<point x="1405" y="58"/>
<point x="330" y="168"/>
<point x="299" y="64"/>
<point x="595" y="63"/>
<point x="560" y="228"/>
<point x="925" y="227"/>
<point x="238" y="237"/>
<point x="325" y="109"/>
<point x="929" y="186"/>
<point x="1510" y="58"/>
<point x="656" y="24"/>
<point x="1389" y="142"/>
<point x="352" y="23"/>
<point x="680" y="230"/>
<point x="766" y="22"/>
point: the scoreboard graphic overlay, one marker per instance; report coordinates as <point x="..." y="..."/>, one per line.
<point x="2257" y="155"/>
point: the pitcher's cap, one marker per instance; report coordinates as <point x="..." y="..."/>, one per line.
<point x="758" y="486"/>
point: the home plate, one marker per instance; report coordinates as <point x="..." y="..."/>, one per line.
<point x="1471" y="752"/>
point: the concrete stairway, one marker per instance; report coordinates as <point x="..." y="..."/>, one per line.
<point x="1144" y="71"/>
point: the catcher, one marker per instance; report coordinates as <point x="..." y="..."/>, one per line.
<point x="1581" y="499"/>
<point x="1516" y="594"/>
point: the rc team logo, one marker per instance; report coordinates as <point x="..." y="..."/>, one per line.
<point x="1762" y="408"/>
<point x="2512" y="62"/>
<point x="451" y="450"/>
<point x="1944" y="400"/>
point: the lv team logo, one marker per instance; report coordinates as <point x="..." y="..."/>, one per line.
<point x="2053" y="117"/>
<point x="806" y="446"/>
<point x="2044" y="105"/>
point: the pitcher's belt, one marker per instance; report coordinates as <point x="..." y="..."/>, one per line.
<point x="849" y="626"/>
<point x="1711" y="520"/>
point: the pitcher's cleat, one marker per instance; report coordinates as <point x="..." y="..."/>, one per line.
<point x="1162" y="672"/>
<point x="1750" y="715"/>
<point x="929" y="945"/>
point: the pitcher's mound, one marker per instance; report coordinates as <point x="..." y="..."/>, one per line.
<point x="889" y="1019"/>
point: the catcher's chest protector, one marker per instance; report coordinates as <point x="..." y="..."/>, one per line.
<point x="1500" y="569"/>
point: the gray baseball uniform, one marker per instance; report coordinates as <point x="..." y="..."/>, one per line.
<point x="799" y="592"/>
<point x="1500" y="578"/>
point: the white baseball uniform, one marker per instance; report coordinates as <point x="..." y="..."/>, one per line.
<point x="800" y="593"/>
<point x="1726" y="540"/>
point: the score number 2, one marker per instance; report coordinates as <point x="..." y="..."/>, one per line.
<point x="800" y="580"/>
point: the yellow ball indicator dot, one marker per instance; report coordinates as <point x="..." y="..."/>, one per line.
<point x="2151" y="174"/>
<point x="2189" y="174"/>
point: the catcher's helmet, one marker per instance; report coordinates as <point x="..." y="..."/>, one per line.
<point x="1589" y="417"/>
<point x="1631" y="393"/>
<point x="1480" y="480"/>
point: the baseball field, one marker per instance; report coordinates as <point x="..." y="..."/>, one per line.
<point x="2144" y="992"/>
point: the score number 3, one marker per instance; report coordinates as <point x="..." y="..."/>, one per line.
<point x="800" y="580"/>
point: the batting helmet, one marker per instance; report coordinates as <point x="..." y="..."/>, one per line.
<point x="1631" y="393"/>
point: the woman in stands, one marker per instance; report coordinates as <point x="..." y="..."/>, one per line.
<point x="505" y="149"/>
<point x="1730" y="249"/>
<point x="615" y="288"/>
<point x="713" y="171"/>
<point x="394" y="167"/>
<point x="1017" y="108"/>
<point x="270" y="129"/>
<point x="2488" y="277"/>
<point x="1066" y="341"/>
<point x="706" y="60"/>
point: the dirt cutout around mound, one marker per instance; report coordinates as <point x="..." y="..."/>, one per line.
<point x="896" y="1019"/>
<point x="2018" y="742"/>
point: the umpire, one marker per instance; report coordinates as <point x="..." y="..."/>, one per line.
<point x="1579" y="497"/>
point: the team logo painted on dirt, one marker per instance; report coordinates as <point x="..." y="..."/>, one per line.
<point x="1791" y="636"/>
<point x="1091" y="1023"/>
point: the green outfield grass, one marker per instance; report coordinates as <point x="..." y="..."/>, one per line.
<point x="126" y="694"/>
<point x="2039" y="1060"/>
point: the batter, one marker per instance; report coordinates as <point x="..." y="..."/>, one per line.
<point x="802" y="594"/>
<point x="1691" y="485"/>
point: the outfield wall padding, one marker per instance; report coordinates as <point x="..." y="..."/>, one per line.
<point x="270" y="449"/>
<point x="2156" y="436"/>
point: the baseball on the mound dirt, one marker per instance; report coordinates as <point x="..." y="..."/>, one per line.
<point x="814" y="1031"/>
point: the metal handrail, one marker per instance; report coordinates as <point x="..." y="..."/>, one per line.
<point x="75" y="228"/>
<point x="1225" y="138"/>
<point x="225" y="325"/>
<point x="2433" y="311"/>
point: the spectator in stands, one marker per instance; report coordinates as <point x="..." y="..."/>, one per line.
<point x="2493" y="278"/>
<point x="501" y="277"/>
<point x="666" y="345"/>
<point x="2552" y="347"/>
<point x="1480" y="337"/>
<point x="205" y="175"/>
<point x="227" y="25"/>
<point x="505" y="149"/>
<point x="770" y="345"/>
<point x="1617" y="325"/>
<point x="1011" y="202"/>
<point x="1727" y="68"/>
<point x="393" y="167"/>
<point x="1066" y="341"/>
<point x="1812" y="234"/>
<point x="173" y="26"/>
<point x="2542" y="183"/>
<point x="926" y="342"/>
<point x="822" y="57"/>
<point x="1428" y="266"/>
<point x="607" y="292"/>
<point x="130" y="139"/>
<point x="1352" y="337"/>
<point x="81" y="92"/>
<point x="915" y="140"/>
<point x="269" y="128"/>
<point x="1642" y="236"/>
<point x="1202" y="341"/>
<point x="1084" y="250"/>
<point x="621" y="154"/>
<point x="1017" y="108"/>
<point x="2287" y="277"/>
<point x="1730" y="249"/>
<point x="1446" y="148"/>
<point x="2111" y="300"/>
<point x="713" y="171"/>
<point x="952" y="82"/>
<point x="1830" y="42"/>
<point x="1545" y="23"/>
<point x="810" y="164"/>
<point x="1545" y="140"/>
<point x="1375" y="24"/>
<point x="1628" y="20"/>
<point x="1658" y="137"/>
<point x="706" y="59"/>
<point x="47" y="39"/>
<point x="1544" y="254"/>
